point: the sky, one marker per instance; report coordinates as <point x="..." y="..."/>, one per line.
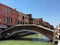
<point x="49" y="10"/>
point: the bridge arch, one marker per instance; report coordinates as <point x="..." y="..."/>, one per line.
<point x="39" y="29"/>
<point x="21" y="33"/>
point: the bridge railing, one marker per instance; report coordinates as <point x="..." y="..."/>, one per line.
<point x="37" y="26"/>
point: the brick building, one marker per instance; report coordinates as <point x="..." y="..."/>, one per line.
<point x="8" y="16"/>
<point x="11" y="17"/>
<point x="24" y="18"/>
<point x="30" y="18"/>
<point x="46" y="24"/>
<point x="37" y="21"/>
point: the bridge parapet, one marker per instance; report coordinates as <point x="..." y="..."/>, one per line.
<point x="38" y="28"/>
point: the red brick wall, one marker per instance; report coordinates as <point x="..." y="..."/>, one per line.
<point x="3" y="15"/>
<point x="15" y="16"/>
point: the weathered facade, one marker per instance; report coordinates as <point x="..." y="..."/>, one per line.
<point x="46" y="24"/>
<point x="37" y="21"/>
<point x="8" y="16"/>
<point x="23" y="18"/>
<point x="11" y="17"/>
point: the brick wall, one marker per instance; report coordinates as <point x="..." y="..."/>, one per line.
<point x="7" y="12"/>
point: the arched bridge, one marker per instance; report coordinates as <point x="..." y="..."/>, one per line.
<point x="18" y="28"/>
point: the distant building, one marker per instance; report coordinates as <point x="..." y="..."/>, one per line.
<point x="23" y="18"/>
<point x="10" y="17"/>
<point x="30" y="18"/>
<point x="37" y="21"/>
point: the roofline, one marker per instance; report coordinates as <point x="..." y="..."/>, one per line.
<point x="7" y="6"/>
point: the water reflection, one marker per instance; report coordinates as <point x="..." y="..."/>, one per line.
<point x="34" y="39"/>
<point x="42" y="39"/>
<point x="45" y="39"/>
<point x="31" y="36"/>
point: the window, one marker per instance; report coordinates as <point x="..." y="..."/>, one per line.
<point x="0" y="19"/>
<point x="5" y="20"/>
<point x="7" y="11"/>
<point x="8" y="20"/>
<point x="23" y="17"/>
<point x="19" y="22"/>
<point x="26" y="17"/>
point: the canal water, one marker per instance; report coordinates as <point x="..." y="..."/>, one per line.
<point x="42" y="38"/>
<point x="36" y="37"/>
